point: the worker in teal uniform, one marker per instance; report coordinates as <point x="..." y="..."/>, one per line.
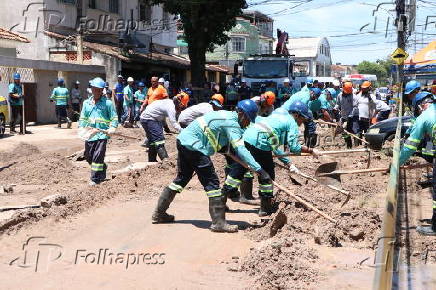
<point x="61" y="96"/>
<point x="213" y="132"/>
<point x="98" y="115"/>
<point x="424" y="127"/>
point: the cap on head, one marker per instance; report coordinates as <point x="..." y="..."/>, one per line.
<point x="98" y="83"/>
<point x="269" y="97"/>
<point x="130" y="80"/>
<point x="217" y="100"/>
<point x="411" y="86"/>
<point x="286" y="80"/>
<point x="161" y="80"/>
<point x="300" y="108"/>
<point x="120" y="76"/>
<point x="309" y="80"/>
<point x="243" y="81"/>
<point x="336" y="83"/>
<point x="366" y="85"/>
<point x="183" y="98"/>
<point x="347" y="88"/>
<point x="141" y="85"/>
<point x="77" y="83"/>
<point x="316" y="91"/>
<point x="61" y="81"/>
<point x="420" y="97"/>
<point x="249" y="108"/>
<point x="17" y="76"/>
<point x="332" y="92"/>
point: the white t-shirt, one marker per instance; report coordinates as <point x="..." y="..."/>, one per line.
<point x="366" y="105"/>
<point x="381" y="106"/>
<point x="161" y="109"/>
<point x="190" y="114"/>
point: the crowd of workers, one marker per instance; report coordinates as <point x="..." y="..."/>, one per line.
<point x="248" y="133"/>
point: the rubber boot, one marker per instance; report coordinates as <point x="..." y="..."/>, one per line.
<point x="246" y="190"/>
<point x="162" y="152"/>
<point x="59" y="122"/>
<point x="349" y="142"/>
<point x="69" y="123"/>
<point x="152" y="154"/>
<point x="265" y="206"/>
<point x="217" y="210"/>
<point x="165" y="199"/>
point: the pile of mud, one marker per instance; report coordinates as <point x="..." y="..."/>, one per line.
<point x="23" y="149"/>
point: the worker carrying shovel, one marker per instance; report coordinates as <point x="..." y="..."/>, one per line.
<point x="98" y="120"/>
<point x="204" y="137"/>
<point x="424" y="126"/>
<point x="262" y="139"/>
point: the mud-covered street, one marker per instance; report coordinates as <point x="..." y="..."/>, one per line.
<point x="294" y="248"/>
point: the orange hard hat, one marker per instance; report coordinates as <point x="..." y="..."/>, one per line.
<point x="219" y="98"/>
<point x="347" y="87"/>
<point x="366" y="84"/>
<point x="183" y="99"/>
<point x="269" y="97"/>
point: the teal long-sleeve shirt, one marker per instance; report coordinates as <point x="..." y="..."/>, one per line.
<point x="302" y="96"/>
<point x="215" y="130"/>
<point x="425" y="125"/>
<point x="269" y="133"/>
<point x="100" y="115"/>
<point x="60" y="95"/>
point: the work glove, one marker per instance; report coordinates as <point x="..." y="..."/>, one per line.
<point x="294" y="169"/>
<point x="111" y="131"/>
<point x="316" y="153"/>
<point x="264" y="176"/>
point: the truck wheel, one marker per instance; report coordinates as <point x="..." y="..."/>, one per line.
<point x="2" y="125"/>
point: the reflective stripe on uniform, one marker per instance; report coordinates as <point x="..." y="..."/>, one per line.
<point x="434" y="204"/>
<point x="266" y="188"/>
<point x="158" y="143"/>
<point x="232" y="182"/>
<point x="248" y="174"/>
<point x="237" y="143"/>
<point x="412" y="143"/>
<point x="97" y="166"/>
<point x="273" y="139"/>
<point x="175" y="187"/>
<point x="214" y="193"/>
<point x="209" y="134"/>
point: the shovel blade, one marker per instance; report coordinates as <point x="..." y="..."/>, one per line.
<point x="334" y="179"/>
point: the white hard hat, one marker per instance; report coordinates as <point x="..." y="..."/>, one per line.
<point x="130" y="79"/>
<point x="336" y="83"/>
<point x="77" y="83"/>
<point x="161" y="80"/>
<point x="243" y="81"/>
<point x="286" y="80"/>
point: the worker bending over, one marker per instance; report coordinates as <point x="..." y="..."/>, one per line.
<point x="204" y="137"/>
<point x="100" y="118"/>
<point x="193" y="112"/>
<point x="152" y="119"/>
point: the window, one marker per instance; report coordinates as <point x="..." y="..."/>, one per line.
<point x="92" y="4"/>
<point x="144" y="12"/>
<point x="238" y="44"/>
<point x="166" y="20"/>
<point x="114" y="6"/>
<point x="68" y="1"/>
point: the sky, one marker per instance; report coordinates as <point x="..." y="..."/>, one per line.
<point x="343" y="21"/>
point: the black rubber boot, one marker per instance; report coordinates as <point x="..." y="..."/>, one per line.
<point x="162" y="152"/>
<point x="59" y="122"/>
<point x="246" y="190"/>
<point x="69" y="123"/>
<point x="348" y="141"/>
<point x="217" y="210"/>
<point x="265" y="206"/>
<point x="152" y="154"/>
<point x="165" y="199"/>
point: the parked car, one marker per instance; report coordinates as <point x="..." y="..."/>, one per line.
<point x="382" y="94"/>
<point x="385" y="131"/>
<point x="4" y="115"/>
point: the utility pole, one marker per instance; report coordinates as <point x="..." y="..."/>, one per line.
<point x="401" y="22"/>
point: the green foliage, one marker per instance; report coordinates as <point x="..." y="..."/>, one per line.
<point x="205" y="23"/>
<point x="367" y="67"/>
<point x="386" y="63"/>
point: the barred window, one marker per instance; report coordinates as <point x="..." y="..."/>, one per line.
<point x="238" y="44"/>
<point x="114" y="6"/>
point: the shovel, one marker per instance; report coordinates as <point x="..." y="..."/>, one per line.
<point x="329" y="173"/>
<point x="331" y="186"/>
<point x="325" y="152"/>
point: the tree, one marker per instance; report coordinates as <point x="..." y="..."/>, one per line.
<point x="204" y="23"/>
<point x="372" y="68"/>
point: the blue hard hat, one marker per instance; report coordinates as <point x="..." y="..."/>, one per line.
<point x="216" y="103"/>
<point x="61" y="81"/>
<point x="411" y="86"/>
<point x="249" y="108"/>
<point x="316" y="91"/>
<point x="332" y="92"/>
<point x="300" y="108"/>
<point x="98" y="83"/>
<point x="309" y="80"/>
<point x="141" y="84"/>
<point x="17" y="76"/>
<point x="420" y="97"/>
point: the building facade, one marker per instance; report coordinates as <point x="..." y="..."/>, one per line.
<point x="252" y="34"/>
<point x="312" y="56"/>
